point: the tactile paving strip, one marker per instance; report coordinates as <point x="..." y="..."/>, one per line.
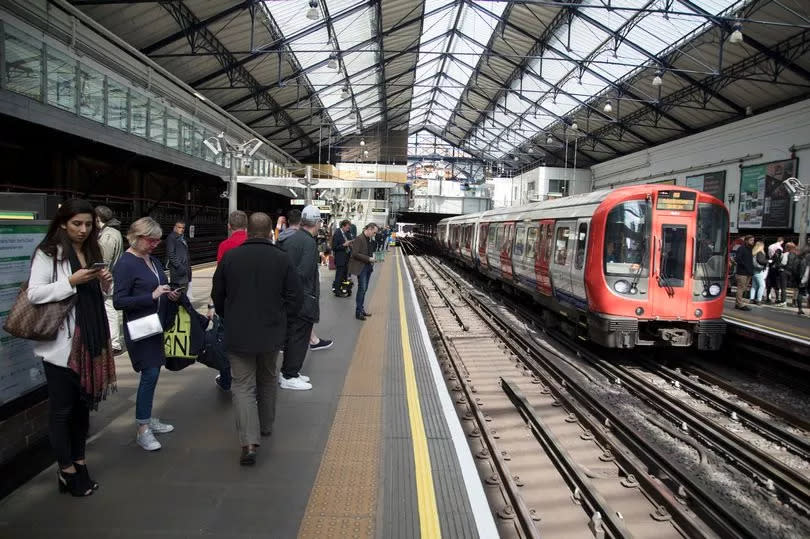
<point x="343" y="501"/>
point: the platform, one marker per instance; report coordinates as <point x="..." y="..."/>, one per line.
<point x="374" y="450"/>
<point x="775" y="322"/>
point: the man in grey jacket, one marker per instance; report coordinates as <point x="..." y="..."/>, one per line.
<point x="179" y="262"/>
<point x="301" y="247"/>
<point x="112" y="245"/>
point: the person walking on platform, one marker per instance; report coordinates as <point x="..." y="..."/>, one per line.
<point x="302" y="249"/>
<point x="112" y="246"/>
<point x="140" y="287"/>
<point x="760" y="273"/>
<point x="362" y="264"/>
<point x="78" y="363"/>
<point x="774" y="262"/>
<point x="255" y="290"/>
<point x="745" y="269"/>
<point x="237" y="234"/>
<point x="341" y="240"/>
<point x="178" y="258"/>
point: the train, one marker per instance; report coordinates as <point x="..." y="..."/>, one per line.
<point x="642" y="265"/>
<point x="404" y="230"/>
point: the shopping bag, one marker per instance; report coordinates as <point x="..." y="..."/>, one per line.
<point x="177" y="344"/>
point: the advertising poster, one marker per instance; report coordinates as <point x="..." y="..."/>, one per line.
<point x="764" y="201"/>
<point x="713" y="183"/>
<point x="20" y="371"/>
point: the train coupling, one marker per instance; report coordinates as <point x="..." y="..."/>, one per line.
<point x="675" y="336"/>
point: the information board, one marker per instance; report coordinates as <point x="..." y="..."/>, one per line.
<point x="20" y="371"/>
<point x="712" y="183"/>
<point x="764" y="201"/>
<point x="676" y="200"/>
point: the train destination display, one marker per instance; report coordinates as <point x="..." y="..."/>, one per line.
<point x="676" y="200"/>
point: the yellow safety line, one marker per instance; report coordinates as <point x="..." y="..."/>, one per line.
<point x="425" y="493"/>
<point x="775" y="330"/>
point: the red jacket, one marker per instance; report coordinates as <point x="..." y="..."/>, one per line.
<point x="236" y="239"/>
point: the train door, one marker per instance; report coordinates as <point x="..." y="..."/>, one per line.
<point x="562" y="259"/>
<point x="482" y="244"/>
<point x="518" y="253"/>
<point x="493" y="245"/>
<point x="543" y="256"/>
<point x="580" y="256"/>
<point x="506" y="250"/>
<point x="670" y="297"/>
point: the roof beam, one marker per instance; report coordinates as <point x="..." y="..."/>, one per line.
<point x="381" y="63"/>
<point x="185" y="17"/>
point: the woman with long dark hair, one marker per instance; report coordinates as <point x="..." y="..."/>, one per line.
<point x="79" y="365"/>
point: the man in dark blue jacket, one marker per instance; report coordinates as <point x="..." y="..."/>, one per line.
<point x="745" y="269"/>
<point x="302" y="249"/>
<point x="341" y="240"/>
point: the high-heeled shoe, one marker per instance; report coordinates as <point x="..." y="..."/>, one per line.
<point x="73" y="483"/>
<point x="85" y="475"/>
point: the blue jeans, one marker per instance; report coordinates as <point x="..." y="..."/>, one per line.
<point x="758" y="286"/>
<point x="146" y="394"/>
<point x="362" y="286"/>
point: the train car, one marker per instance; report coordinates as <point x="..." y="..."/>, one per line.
<point x="642" y="265"/>
<point x="403" y="230"/>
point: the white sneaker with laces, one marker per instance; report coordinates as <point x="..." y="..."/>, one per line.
<point x="303" y="377"/>
<point x="148" y="441"/>
<point x="294" y="383"/>
<point x="159" y="428"/>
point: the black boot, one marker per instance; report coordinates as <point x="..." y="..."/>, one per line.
<point x="85" y="475"/>
<point x="73" y="483"/>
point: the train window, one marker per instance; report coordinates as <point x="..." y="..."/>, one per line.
<point x="627" y="239"/>
<point x="491" y="237"/>
<point x="549" y="239"/>
<point x="582" y="236"/>
<point x="482" y="238"/>
<point x="520" y="241"/>
<point x="711" y="244"/>
<point x="531" y="241"/>
<point x="561" y="246"/>
<point x="673" y="255"/>
<point x="506" y="239"/>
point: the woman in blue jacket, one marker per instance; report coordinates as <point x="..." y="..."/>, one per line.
<point x="141" y="289"/>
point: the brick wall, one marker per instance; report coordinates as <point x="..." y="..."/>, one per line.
<point x="24" y="447"/>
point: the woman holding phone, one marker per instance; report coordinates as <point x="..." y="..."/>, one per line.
<point x="79" y="365"/>
<point x="141" y="290"/>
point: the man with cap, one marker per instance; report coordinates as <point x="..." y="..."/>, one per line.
<point x="302" y="249"/>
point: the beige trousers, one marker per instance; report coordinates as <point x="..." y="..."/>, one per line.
<point x="112" y="320"/>
<point x="254" y="386"/>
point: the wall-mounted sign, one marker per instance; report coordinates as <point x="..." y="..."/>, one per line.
<point x="713" y="183"/>
<point x="764" y="201"/>
<point x="20" y="371"/>
<point x="665" y="182"/>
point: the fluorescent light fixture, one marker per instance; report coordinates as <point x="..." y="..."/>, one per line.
<point x="574" y="126"/>
<point x="313" y="13"/>
<point x="199" y="96"/>
<point x="333" y="63"/>
<point x="294" y="194"/>
<point x="365" y="153"/>
<point x="549" y="140"/>
<point x="344" y="93"/>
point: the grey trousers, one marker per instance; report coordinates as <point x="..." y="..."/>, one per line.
<point x="254" y="386"/>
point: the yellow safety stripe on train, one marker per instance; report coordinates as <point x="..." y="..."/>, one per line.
<point x="425" y="493"/>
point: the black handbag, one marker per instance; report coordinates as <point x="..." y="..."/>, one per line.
<point x="213" y="353"/>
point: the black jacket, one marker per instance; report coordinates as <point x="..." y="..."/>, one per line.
<point x="341" y="252"/>
<point x="255" y="289"/>
<point x="177" y="259"/>
<point x="303" y="252"/>
<point x="744" y="260"/>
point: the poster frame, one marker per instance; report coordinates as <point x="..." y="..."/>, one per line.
<point x="725" y="182"/>
<point x="790" y="225"/>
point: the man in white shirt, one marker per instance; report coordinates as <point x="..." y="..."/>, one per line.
<point x="112" y="245"/>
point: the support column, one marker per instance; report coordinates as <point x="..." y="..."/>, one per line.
<point x="232" y="206"/>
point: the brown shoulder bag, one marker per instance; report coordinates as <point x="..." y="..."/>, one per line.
<point x="36" y="322"/>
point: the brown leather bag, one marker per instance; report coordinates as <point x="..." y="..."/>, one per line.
<point x="36" y="322"/>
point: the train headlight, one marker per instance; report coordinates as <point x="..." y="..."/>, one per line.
<point x="698" y="313"/>
<point x="621" y="286"/>
<point x="639" y="311"/>
<point x="714" y="290"/>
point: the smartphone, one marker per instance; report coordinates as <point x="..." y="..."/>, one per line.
<point x="99" y="266"/>
<point x="179" y="289"/>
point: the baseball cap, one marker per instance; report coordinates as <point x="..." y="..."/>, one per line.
<point x="311" y="213"/>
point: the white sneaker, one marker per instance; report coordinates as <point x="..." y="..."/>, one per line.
<point x="148" y="441"/>
<point x="159" y="428"/>
<point x="303" y="377"/>
<point x="294" y="383"/>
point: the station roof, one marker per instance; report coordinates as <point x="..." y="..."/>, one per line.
<point x="506" y="82"/>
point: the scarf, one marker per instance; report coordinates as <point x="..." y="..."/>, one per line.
<point x="91" y="352"/>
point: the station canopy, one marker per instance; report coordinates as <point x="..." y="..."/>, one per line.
<point x="514" y="84"/>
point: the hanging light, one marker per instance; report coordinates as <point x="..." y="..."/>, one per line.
<point x="362" y="142"/>
<point x="344" y="93"/>
<point x="736" y="35"/>
<point x="549" y="140"/>
<point x="657" y="81"/>
<point x="333" y="63"/>
<point x="608" y="108"/>
<point x="313" y="13"/>
<point x="365" y="153"/>
<point x="530" y="149"/>
<point x="516" y="158"/>
<point x="574" y="126"/>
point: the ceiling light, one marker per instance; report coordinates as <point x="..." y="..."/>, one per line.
<point x="199" y="96"/>
<point x="313" y="13"/>
<point x="516" y="158"/>
<point x="530" y="150"/>
<point x="574" y="126"/>
<point x="365" y="153"/>
<point x="344" y="93"/>
<point x="657" y="81"/>
<point x="549" y="140"/>
<point x="608" y="108"/>
<point x="333" y="63"/>
<point x="737" y="35"/>
<point x="362" y="142"/>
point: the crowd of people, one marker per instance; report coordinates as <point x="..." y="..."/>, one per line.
<point x="775" y="269"/>
<point x="82" y="261"/>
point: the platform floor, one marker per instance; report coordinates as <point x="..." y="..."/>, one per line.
<point x="779" y="322"/>
<point x="374" y="450"/>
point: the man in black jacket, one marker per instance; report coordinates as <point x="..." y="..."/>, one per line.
<point x="341" y="239"/>
<point x="745" y="270"/>
<point x="178" y="260"/>
<point x="255" y="291"/>
<point x="303" y="252"/>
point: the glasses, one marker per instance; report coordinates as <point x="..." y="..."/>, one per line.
<point x="150" y="241"/>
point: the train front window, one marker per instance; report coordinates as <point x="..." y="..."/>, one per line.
<point x="711" y="250"/>
<point x="627" y="239"/>
<point x="673" y="255"/>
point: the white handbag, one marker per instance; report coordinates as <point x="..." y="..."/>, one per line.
<point x="144" y="327"/>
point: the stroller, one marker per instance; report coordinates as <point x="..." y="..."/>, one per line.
<point x="345" y="288"/>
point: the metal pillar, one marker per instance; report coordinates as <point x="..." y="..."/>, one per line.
<point x="309" y="184"/>
<point x="232" y="188"/>
<point x="803" y="224"/>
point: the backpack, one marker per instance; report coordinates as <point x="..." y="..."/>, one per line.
<point x="776" y="260"/>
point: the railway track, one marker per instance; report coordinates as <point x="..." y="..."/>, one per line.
<point x="743" y="438"/>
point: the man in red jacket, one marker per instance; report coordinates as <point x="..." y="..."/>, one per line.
<point x="237" y="234"/>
